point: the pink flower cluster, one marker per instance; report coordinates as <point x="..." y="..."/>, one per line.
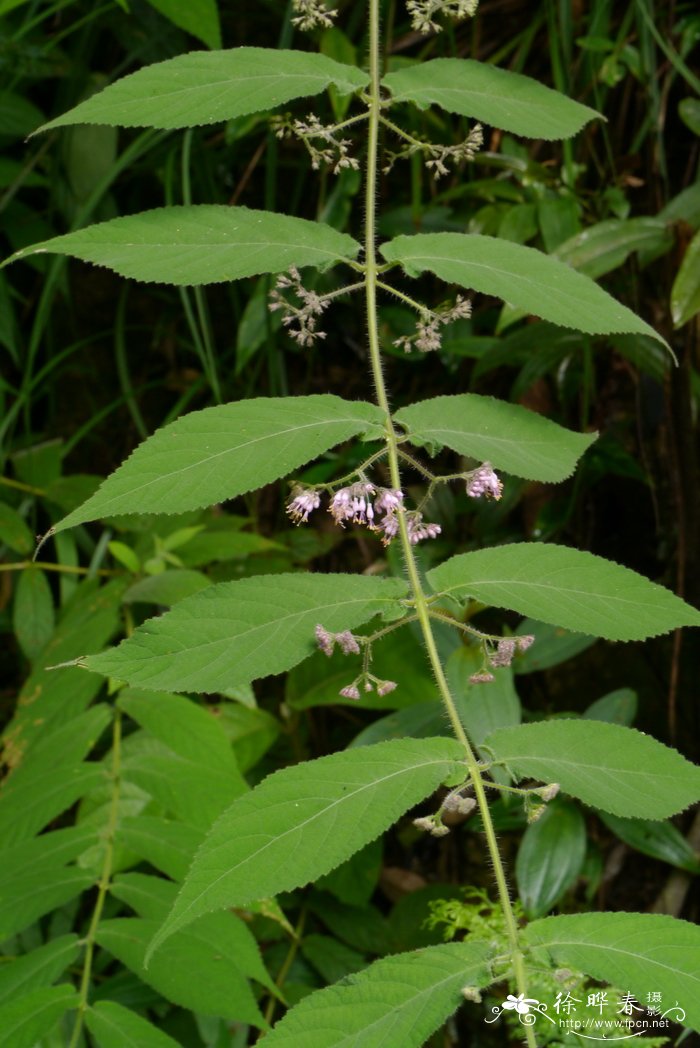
<point x="484" y="481"/>
<point x="363" y="503"/>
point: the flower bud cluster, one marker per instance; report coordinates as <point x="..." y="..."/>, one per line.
<point x="427" y="337"/>
<point x="312" y="13"/>
<point x="431" y="825"/>
<point x="304" y="316"/>
<point x="346" y="641"/>
<point x="365" y="504"/>
<point x="484" y="481"/>
<point x="332" y="151"/>
<point x="423" y="12"/>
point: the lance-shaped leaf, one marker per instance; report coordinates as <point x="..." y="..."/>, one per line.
<point x="633" y="951"/>
<point x="225" y="451"/>
<point x="608" y="766"/>
<point x="398" y="1000"/>
<point x="200" y="244"/>
<point x="565" y="587"/>
<point x="234" y="632"/>
<point x="114" y="1026"/>
<point x="494" y="96"/>
<point x="522" y="276"/>
<point x="303" y="821"/>
<point x="506" y="435"/>
<point x="25" y="1020"/>
<point x="201" y="88"/>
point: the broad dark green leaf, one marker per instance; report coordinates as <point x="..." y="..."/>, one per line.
<point x="633" y="951"/>
<point x="200" y="244"/>
<point x="550" y="857"/>
<point x="114" y="1026"/>
<point x="617" y="707"/>
<point x="606" y="245"/>
<point x="482" y="710"/>
<point x="508" y="436"/>
<point x="201" y="88"/>
<point x="218" y="988"/>
<point x="198" y="17"/>
<point x="36" y="891"/>
<point x="565" y="587"/>
<point x="333" y="960"/>
<point x="14" y="530"/>
<point x="49" y="699"/>
<point x="617" y="769"/>
<point x="39" y="967"/>
<point x="33" y="613"/>
<point x="303" y="821"/>
<point x="494" y="96"/>
<point x="523" y="277"/>
<point x="51" y="778"/>
<point x="166" y="844"/>
<point x="167" y="588"/>
<point x="221" y="452"/>
<point x="685" y="293"/>
<point x="234" y="632"/>
<point x="26" y="1019"/>
<point x="660" y="840"/>
<point x="419" y="721"/>
<point x="397" y="1001"/>
<point x="362" y="927"/>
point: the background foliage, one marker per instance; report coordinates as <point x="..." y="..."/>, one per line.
<point x="92" y="364"/>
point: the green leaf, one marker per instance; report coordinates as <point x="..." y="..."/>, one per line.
<point x="362" y="927"/>
<point x="221" y="452"/>
<point x="498" y="97"/>
<point x="200" y="18"/>
<point x="660" y="840"/>
<point x="194" y="775"/>
<point x="167" y="588"/>
<point x="38" y="968"/>
<point x="605" y="765"/>
<point x="303" y="821"/>
<point x="355" y="881"/>
<point x="565" y="587"/>
<point x="685" y="293"/>
<point x="398" y="1000"/>
<point x="25" y="1020"/>
<point x="14" y="531"/>
<point x="551" y="647"/>
<point x="617" y="707"/>
<point x="114" y="1026"/>
<point x="234" y="632"/>
<point x="606" y="245"/>
<point x="482" y="711"/>
<point x="508" y="436"/>
<point x="550" y="857"/>
<point x="201" y="88"/>
<point x="633" y="951"/>
<point x="200" y="244"/>
<point x="333" y="960"/>
<point x="164" y="843"/>
<point x="33" y="613"/>
<point x="419" y="722"/>
<point x="219" y="987"/>
<point x="51" y="778"/>
<point x="36" y="891"/>
<point x="523" y="277"/>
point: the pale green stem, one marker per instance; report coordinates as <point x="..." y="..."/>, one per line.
<point x="66" y="569"/>
<point x="419" y="597"/>
<point x="103" y="883"/>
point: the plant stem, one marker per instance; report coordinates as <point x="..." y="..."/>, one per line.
<point x="419" y="597"/>
<point x="103" y="883"/>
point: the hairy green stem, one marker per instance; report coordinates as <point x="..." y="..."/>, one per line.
<point x="419" y="597"/>
<point x="104" y="881"/>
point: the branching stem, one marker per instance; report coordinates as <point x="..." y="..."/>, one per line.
<point x="419" y="597"/>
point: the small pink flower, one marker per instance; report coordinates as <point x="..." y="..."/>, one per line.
<point x="325" y="640"/>
<point x="524" y="642"/>
<point x="348" y="643"/>
<point x="417" y="530"/>
<point x="353" y="503"/>
<point x="351" y="692"/>
<point x="484" y="481"/>
<point x="503" y="656"/>
<point x="388" y="500"/>
<point x="385" y="687"/>
<point x="302" y="504"/>
<point x="481" y="678"/>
